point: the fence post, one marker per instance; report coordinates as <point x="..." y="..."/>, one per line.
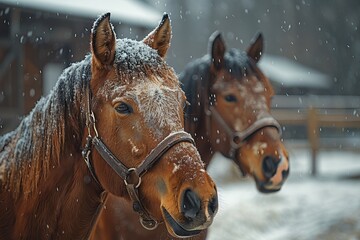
<point x="313" y="137"/>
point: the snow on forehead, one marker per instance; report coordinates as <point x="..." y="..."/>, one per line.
<point x="132" y="55"/>
<point x="159" y="104"/>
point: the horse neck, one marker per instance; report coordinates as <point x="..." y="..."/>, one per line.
<point x="65" y="207"/>
<point x="84" y="201"/>
<point x="200" y="135"/>
<point x="194" y="90"/>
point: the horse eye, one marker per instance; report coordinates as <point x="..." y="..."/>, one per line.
<point x="230" y="98"/>
<point x="123" y="108"/>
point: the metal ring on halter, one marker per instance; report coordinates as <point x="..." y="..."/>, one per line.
<point x="87" y="155"/>
<point x="149" y="224"/>
<point x="139" y="178"/>
<point x="236" y="143"/>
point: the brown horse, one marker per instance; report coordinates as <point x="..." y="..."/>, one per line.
<point x="123" y="106"/>
<point x="229" y="112"/>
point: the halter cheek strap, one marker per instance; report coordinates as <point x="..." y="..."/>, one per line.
<point x="130" y="176"/>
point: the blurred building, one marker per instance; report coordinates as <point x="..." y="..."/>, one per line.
<point x="289" y="77"/>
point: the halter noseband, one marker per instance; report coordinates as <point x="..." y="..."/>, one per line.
<point x="131" y="176"/>
<point x="238" y="138"/>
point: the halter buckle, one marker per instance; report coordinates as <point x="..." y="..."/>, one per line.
<point x="237" y="140"/>
<point x="149" y="224"/>
<point x="87" y="149"/>
<point x="132" y="171"/>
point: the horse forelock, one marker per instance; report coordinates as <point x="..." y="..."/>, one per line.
<point x="134" y="56"/>
<point x="55" y="123"/>
<point x="237" y="63"/>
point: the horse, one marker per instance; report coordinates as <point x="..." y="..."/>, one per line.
<point x="114" y="123"/>
<point x="229" y="112"/>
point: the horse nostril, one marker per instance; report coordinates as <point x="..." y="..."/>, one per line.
<point x="213" y="205"/>
<point x="285" y="173"/>
<point x="191" y="204"/>
<point x="269" y="166"/>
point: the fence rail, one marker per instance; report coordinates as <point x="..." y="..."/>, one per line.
<point x="316" y="112"/>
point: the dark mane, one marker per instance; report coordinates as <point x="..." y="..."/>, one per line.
<point x="196" y="76"/>
<point x="35" y="146"/>
<point x="194" y="82"/>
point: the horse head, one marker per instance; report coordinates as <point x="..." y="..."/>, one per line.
<point x="240" y="114"/>
<point x="135" y="121"/>
<point x="231" y="98"/>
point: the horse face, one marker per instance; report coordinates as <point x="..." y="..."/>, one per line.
<point x="243" y="96"/>
<point x="137" y="103"/>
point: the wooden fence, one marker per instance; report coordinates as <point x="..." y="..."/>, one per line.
<point x="321" y="112"/>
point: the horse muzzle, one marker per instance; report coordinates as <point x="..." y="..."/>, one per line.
<point x="275" y="170"/>
<point x="196" y="215"/>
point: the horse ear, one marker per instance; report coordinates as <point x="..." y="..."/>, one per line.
<point x="217" y="50"/>
<point x="256" y="47"/>
<point x="159" y="38"/>
<point x="103" y="41"/>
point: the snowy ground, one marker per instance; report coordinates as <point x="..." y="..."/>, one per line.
<point x="325" y="208"/>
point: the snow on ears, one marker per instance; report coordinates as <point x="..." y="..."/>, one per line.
<point x="103" y="41"/>
<point x="256" y="47"/>
<point x="159" y="38"/>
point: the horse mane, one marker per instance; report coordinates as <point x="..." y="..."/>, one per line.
<point x="194" y="81"/>
<point x="28" y="152"/>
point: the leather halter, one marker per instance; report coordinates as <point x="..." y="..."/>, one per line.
<point x="238" y="138"/>
<point x="131" y="176"/>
